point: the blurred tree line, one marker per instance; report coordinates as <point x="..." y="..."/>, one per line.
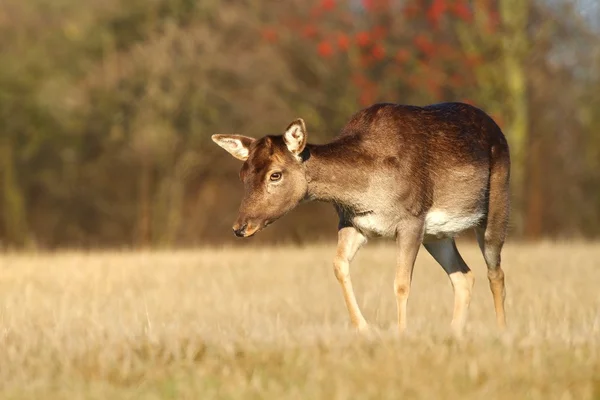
<point x="107" y="107"/>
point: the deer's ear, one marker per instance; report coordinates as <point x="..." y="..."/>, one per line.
<point x="295" y="136"/>
<point x="237" y="145"/>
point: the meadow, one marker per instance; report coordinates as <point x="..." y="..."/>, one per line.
<point x="270" y="323"/>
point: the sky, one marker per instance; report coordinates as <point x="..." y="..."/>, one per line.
<point x="590" y="10"/>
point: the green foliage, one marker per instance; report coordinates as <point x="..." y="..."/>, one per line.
<point x="107" y="106"/>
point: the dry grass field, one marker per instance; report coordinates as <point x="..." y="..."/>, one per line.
<point x="270" y="323"/>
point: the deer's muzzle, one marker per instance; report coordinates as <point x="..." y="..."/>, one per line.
<point x="245" y="229"/>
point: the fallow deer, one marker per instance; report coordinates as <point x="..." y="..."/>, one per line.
<point x="419" y="174"/>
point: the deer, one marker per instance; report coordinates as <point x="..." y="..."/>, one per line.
<point x="419" y="174"/>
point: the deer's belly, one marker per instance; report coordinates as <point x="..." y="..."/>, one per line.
<point x="441" y="223"/>
<point x="438" y="223"/>
<point x="373" y="224"/>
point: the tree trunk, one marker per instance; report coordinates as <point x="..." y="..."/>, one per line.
<point x="11" y="197"/>
<point x="144" y="201"/>
<point x="534" y="215"/>
<point x="514" y="16"/>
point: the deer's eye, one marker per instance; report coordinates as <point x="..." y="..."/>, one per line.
<point x="275" y="176"/>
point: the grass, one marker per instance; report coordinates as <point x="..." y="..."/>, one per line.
<point x="271" y="323"/>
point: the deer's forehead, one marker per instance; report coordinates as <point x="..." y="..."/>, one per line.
<point x="267" y="153"/>
<point x="264" y="158"/>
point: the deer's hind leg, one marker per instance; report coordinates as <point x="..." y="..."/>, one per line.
<point x="492" y="232"/>
<point x="447" y="255"/>
<point x="408" y="240"/>
<point x="491" y="240"/>
<point x="349" y="241"/>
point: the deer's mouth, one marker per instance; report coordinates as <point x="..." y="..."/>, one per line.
<point x="259" y="227"/>
<point x="252" y="231"/>
<point x="248" y="229"/>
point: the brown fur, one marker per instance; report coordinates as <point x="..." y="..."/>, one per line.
<point x="420" y="174"/>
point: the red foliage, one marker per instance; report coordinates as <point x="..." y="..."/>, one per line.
<point x="446" y="51"/>
<point x="366" y="60"/>
<point x="456" y="80"/>
<point x="411" y="10"/>
<point x="360" y="80"/>
<point x="493" y="21"/>
<point x="291" y="22"/>
<point x="363" y="38"/>
<point x="376" y="5"/>
<point x="427" y="65"/>
<point x="473" y="60"/>
<point x="325" y="49"/>
<point x="367" y="4"/>
<point x="346" y="18"/>
<point x="378" y="52"/>
<point x="269" y="34"/>
<point x="498" y="119"/>
<point x="436" y="11"/>
<point x="461" y="10"/>
<point x="424" y="44"/>
<point x="413" y="81"/>
<point x="327" y="5"/>
<point x="343" y="41"/>
<point x="368" y="95"/>
<point x="316" y="11"/>
<point x="309" y="31"/>
<point x="378" y="33"/>
<point x="402" y="56"/>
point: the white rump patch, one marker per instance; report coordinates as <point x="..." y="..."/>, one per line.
<point x="441" y="223"/>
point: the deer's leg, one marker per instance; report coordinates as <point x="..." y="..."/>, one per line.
<point x="349" y="241"/>
<point x="408" y="240"/>
<point x="492" y="233"/>
<point x="490" y="243"/>
<point x="447" y="255"/>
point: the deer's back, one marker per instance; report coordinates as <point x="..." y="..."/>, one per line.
<point x="451" y="133"/>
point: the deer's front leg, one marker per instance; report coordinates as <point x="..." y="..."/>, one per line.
<point x="349" y="241"/>
<point x="408" y="239"/>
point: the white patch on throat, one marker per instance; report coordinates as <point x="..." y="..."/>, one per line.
<point x="442" y="223"/>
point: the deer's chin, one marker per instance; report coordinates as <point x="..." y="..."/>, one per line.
<point x="260" y="227"/>
<point x="252" y="232"/>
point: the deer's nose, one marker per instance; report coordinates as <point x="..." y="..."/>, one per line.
<point x="240" y="230"/>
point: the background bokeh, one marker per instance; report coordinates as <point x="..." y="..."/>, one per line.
<point x="107" y="106"/>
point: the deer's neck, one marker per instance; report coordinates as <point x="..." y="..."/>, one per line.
<point x="335" y="175"/>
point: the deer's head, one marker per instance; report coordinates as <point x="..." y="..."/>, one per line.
<point x="273" y="175"/>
